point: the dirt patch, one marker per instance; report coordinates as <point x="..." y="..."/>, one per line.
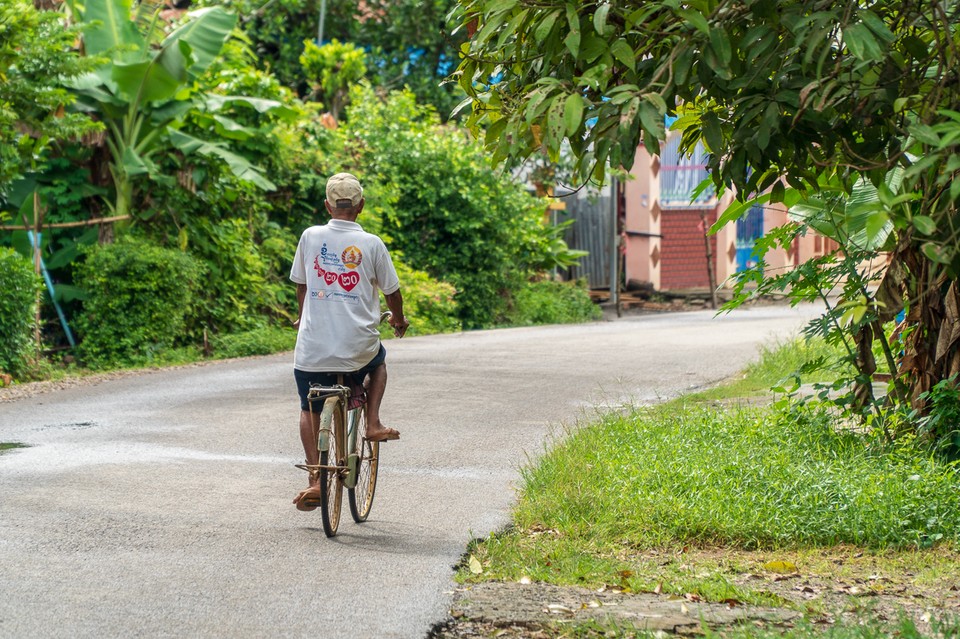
<point x="822" y="587"/>
<point x="532" y="610"/>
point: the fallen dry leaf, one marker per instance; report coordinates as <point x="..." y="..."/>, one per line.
<point x="475" y="566"/>
<point x="781" y="567"/>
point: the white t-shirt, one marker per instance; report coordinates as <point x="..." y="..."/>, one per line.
<point x="344" y="268"/>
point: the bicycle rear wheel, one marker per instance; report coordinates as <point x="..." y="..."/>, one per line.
<point x="361" y="495"/>
<point x="331" y="483"/>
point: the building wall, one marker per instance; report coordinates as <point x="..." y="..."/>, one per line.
<point x="663" y="246"/>
<point x="684" y="250"/>
<point x="641" y="224"/>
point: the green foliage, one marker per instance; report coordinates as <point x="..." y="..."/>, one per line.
<point x="784" y="87"/>
<point x="244" y="287"/>
<point x="144" y="88"/>
<point x="259" y="341"/>
<point x="552" y="302"/>
<point x="331" y="70"/>
<point x="449" y="214"/>
<point x="754" y="478"/>
<point x="839" y="102"/>
<point x="942" y="423"/>
<point x="406" y="42"/>
<point x="429" y="304"/>
<point x="36" y="56"/>
<point x="139" y="296"/>
<point x="17" y="304"/>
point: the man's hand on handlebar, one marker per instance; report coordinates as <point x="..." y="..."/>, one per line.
<point x="399" y="326"/>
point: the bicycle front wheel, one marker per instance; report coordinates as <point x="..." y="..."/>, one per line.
<point x="331" y="482"/>
<point x="361" y="495"/>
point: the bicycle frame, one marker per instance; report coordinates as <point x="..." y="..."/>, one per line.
<point x="336" y="398"/>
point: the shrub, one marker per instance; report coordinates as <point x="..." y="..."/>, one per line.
<point x="552" y="302"/>
<point x="138" y="298"/>
<point x="429" y="304"/>
<point x="241" y="291"/>
<point x="259" y="341"/>
<point x="17" y="304"/>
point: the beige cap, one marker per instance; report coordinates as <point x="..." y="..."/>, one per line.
<point x="344" y="186"/>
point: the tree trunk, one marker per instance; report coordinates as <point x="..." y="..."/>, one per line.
<point x="932" y="349"/>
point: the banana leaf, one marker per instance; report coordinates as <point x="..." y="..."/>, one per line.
<point x="112" y="31"/>
<point x="238" y="165"/>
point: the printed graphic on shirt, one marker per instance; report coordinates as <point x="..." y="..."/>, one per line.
<point x="337" y="274"/>
<point x="351" y="256"/>
<point x="334" y="296"/>
<point x="327" y="258"/>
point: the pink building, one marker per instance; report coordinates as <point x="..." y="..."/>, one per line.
<point x="663" y="226"/>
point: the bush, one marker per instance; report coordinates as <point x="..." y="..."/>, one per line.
<point x="552" y="302"/>
<point x="17" y="305"/>
<point x="138" y="296"/>
<point x="260" y="341"/>
<point x="429" y="304"/>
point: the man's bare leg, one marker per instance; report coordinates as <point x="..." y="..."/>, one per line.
<point x="309" y="431"/>
<point x="376" y="385"/>
<point x="309" y="426"/>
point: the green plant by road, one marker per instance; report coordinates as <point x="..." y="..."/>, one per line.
<point x="714" y="500"/>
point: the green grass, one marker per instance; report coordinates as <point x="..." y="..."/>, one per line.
<point x="683" y="473"/>
<point x="776" y="363"/>
<point x="902" y="628"/>
<point x="692" y="498"/>
<point x="261" y="341"/>
<point x="4" y="446"/>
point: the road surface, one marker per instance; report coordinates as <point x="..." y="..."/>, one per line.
<point x="158" y="504"/>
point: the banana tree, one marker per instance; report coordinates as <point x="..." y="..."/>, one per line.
<point x="147" y="83"/>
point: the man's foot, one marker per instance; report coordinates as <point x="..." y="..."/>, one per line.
<point x="308" y="499"/>
<point x="381" y="433"/>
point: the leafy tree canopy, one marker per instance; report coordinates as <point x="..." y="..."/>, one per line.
<point x="406" y="41"/>
<point x="35" y="54"/>
<point x="802" y="89"/>
<point x="792" y="98"/>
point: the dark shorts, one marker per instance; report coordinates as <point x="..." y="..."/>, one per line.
<point x="306" y="378"/>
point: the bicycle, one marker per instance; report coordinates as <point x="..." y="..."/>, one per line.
<point x="347" y="458"/>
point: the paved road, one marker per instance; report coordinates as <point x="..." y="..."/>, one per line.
<point x="158" y="505"/>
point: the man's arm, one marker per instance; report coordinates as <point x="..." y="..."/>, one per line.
<point x="398" y="321"/>
<point x="301" y="295"/>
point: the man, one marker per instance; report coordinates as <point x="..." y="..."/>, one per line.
<point x="339" y="270"/>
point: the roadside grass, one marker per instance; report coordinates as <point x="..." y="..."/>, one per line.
<point x="749" y="504"/>
<point x="776" y="362"/>
<point x="903" y="628"/>
<point x="5" y="446"/>
<point x="753" y="477"/>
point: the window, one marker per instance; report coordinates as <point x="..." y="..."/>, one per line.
<point x="681" y="175"/>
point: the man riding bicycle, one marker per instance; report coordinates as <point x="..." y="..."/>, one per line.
<point x="339" y="270"/>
